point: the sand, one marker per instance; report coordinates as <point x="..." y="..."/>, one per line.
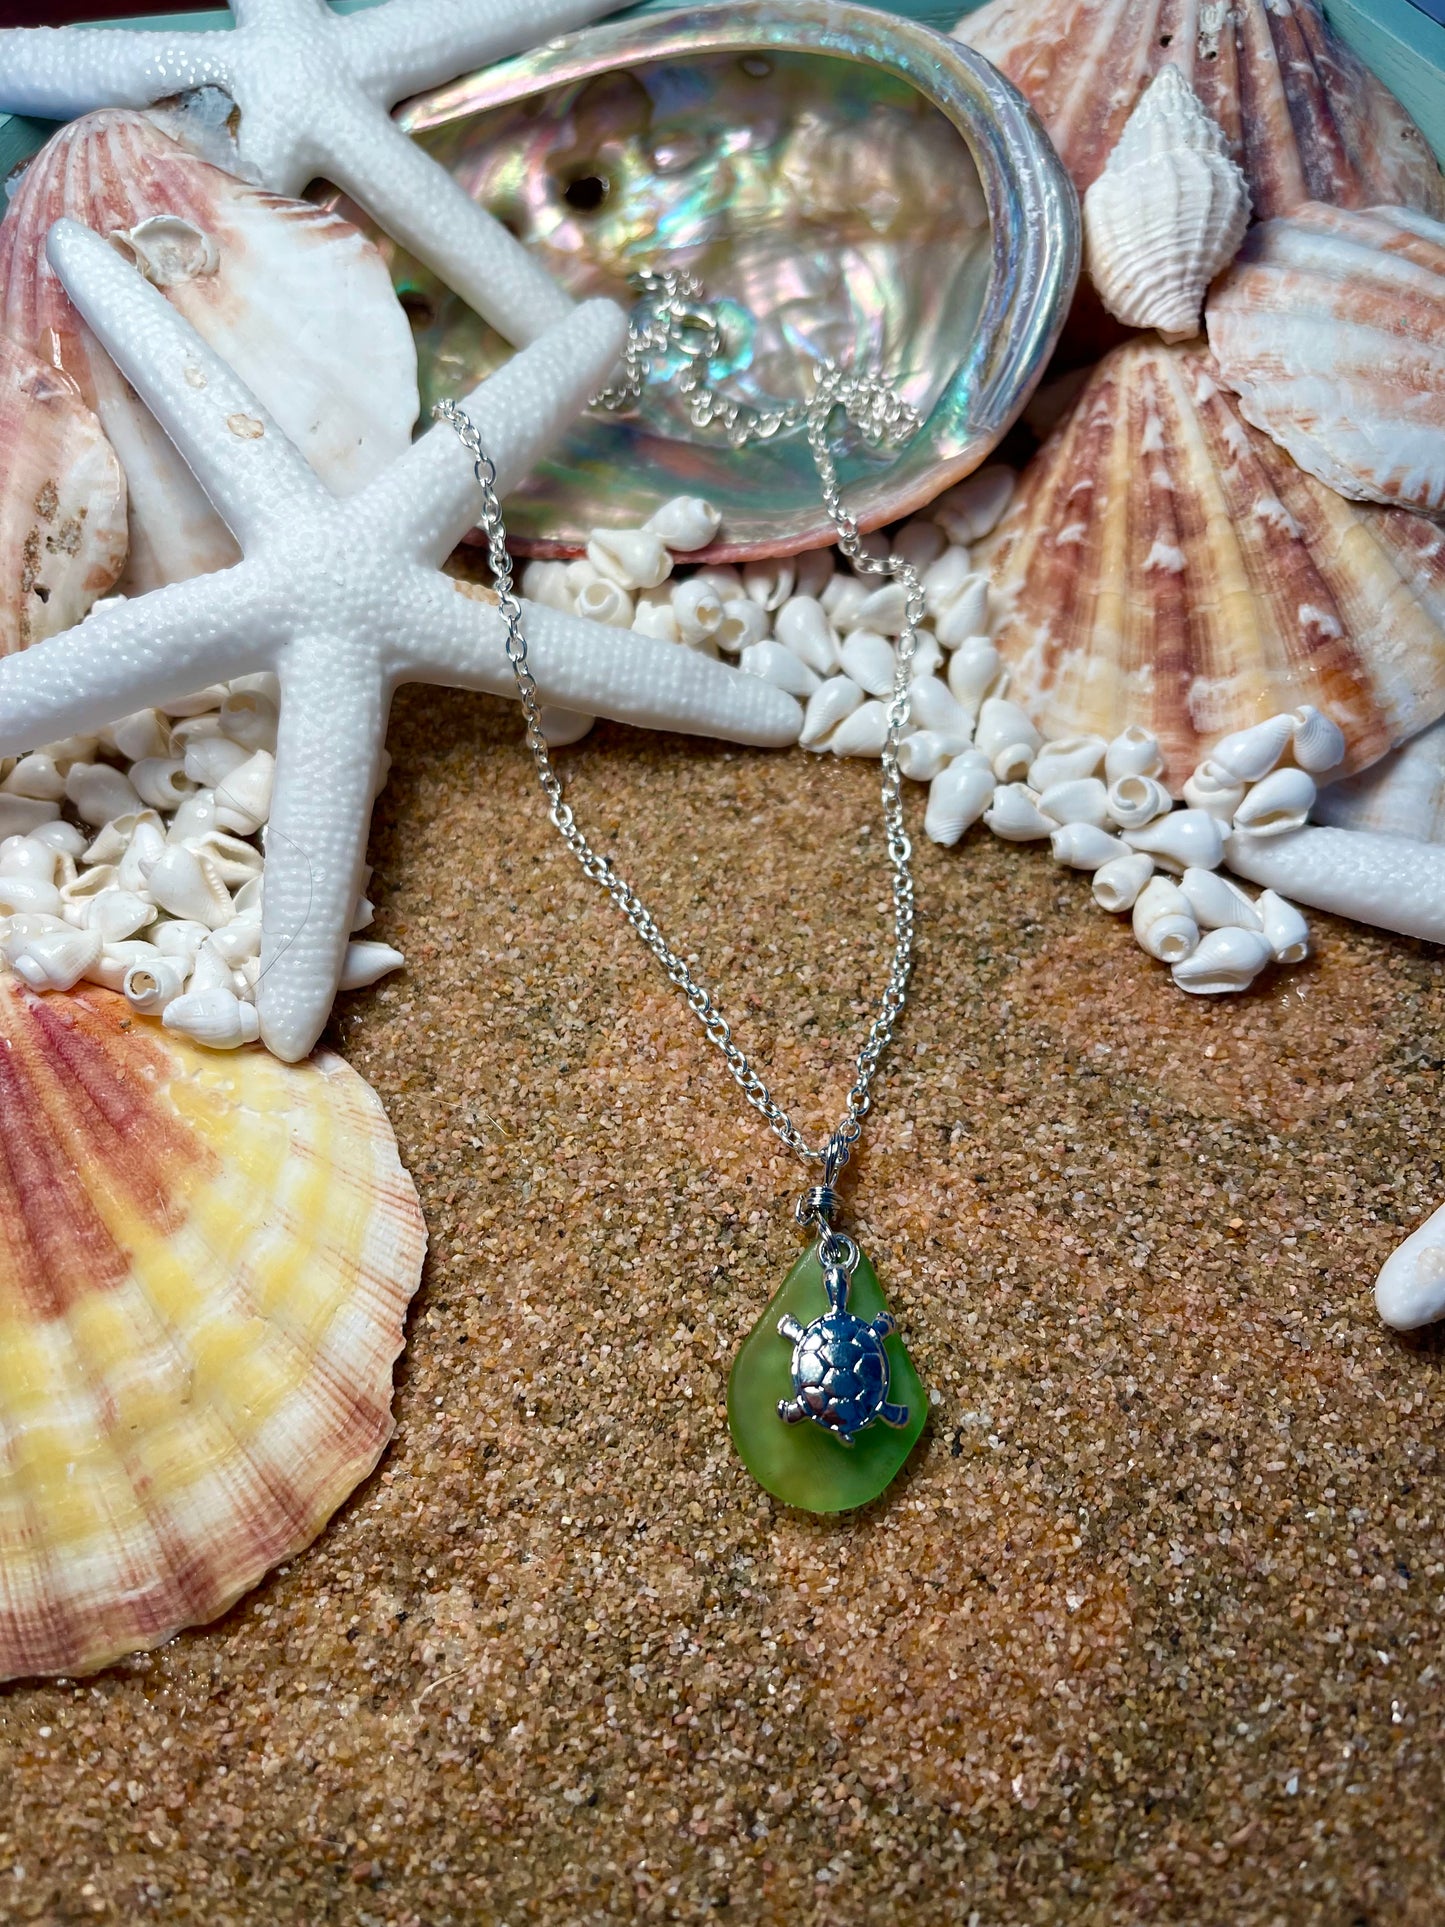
<point x="1148" y="1631"/>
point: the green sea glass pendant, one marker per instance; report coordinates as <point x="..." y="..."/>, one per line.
<point x="805" y="1463"/>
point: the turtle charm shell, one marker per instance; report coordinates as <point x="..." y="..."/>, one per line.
<point x="840" y="1369"/>
<point x="849" y="1363"/>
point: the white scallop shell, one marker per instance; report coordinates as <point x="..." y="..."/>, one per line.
<point x="1167" y="213"/>
<point x="62" y="502"/>
<point x="291" y="296"/>
<point x="1330" y="327"/>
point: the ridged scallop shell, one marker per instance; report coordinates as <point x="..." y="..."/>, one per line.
<point x="205" y="1261"/>
<point x="1330" y="328"/>
<point x="1167" y="213"/>
<point x="1165" y="564"/>
<point x="292" y="297"/>
<point x="62" y="502"/>
<point x="1401" y="795"/>
<point x="1303" y="116"/>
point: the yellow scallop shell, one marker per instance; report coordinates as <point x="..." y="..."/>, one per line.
<point x="205" y="1264"/>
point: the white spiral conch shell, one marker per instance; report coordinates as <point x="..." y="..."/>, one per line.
<point x="830" y="703"/>
<point x="1218" y="904"/>
<point x="1226" y="960"/>
<point x="1410" y="1290"/>
<point x="1079" y="799"/>
<point x="1084" y="846"/>
<point x="1066" y="759"/>
<point x="1118" y="882"/>
<point x="973" y="671"/>
<point x="1183" y="840"/>
<point x="1164" y="924"/>
<point x="1014" y="815"/>
<point x="958" y="797"/>
<point x="1167" y="214"/>
<point x="927" y="752"/>
<point x="775" y="664"/>
<point x="862" y="732"/>
<point x="1281" y="802"/>
<point x="1214" y="788"/>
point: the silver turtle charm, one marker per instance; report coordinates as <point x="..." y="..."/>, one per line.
<point x="840" y="1367"/>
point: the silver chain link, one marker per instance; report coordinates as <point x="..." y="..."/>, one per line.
<point x="674" y="319"/>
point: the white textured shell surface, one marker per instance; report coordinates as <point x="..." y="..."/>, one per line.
<point x="1167" y="213"/>
<point x="62" y="502"/>
<point x="1330" y="327"/>
<point x="297" y="302"/>
<point x="1402" y="795"/>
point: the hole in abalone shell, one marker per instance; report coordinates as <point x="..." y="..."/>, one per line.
<point x="586" y="193"/>
<point x="42" y="594"/>
<point x="419" y="309"/>
<point x="756" y="66"/>
<point x="1165" y="38"/>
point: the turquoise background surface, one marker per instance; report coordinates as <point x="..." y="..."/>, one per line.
<point x="1403" y="45"/>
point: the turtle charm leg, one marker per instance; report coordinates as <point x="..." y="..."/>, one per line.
<point x="894" y="1415"/>
<point x="789" y="1328"/>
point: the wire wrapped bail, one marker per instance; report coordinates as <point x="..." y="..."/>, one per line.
<point x="816" y="1207"/>
<point x="819" y="1203"/>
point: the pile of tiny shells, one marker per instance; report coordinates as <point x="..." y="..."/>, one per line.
<point x="828" y="636"/>
<point x="134" y="859"/>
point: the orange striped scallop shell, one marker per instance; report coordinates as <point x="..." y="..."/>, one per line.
<point x="1330" y="327"/>
<point x="289" y="294"/>
<point x="62" y="502"/>
<point x="1303" y="116"/>
<point x="205" y="1263"/>
<point x="1166" y="564"/>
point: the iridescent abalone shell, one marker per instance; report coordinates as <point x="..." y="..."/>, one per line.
<point x="844" y="183"/>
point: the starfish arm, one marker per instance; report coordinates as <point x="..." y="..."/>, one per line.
<point x="328" y="763"/>
<point x="257" y="479"/>
<point x="409" y="45"/>
<point x="419" y="204"/>
<point x="298" y="14"/>
<point x="429" y="498"/>
<point x="57" y="72"/>
<point x="580" y="665"/>
<point x="134" y="655"/>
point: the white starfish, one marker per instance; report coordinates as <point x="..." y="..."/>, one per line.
<point x="343" y="599"/>
<point x="314" y="91"/>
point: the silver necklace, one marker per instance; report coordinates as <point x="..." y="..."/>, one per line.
<point x="841" y="1368"/>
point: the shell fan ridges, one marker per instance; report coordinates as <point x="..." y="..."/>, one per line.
<point x="1165" y="564"/>
<point x="1167" y="213"/>
<point x="289" y="294"/>
<point x="1303" y="116"/>
<point x="62" y="502"/>
<point x="205" y="1262"/>
<point x="1330" y="327"/>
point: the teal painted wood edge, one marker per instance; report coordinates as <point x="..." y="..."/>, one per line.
<point x="1399" y="42"/>
<point x="1406" y="48"/>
